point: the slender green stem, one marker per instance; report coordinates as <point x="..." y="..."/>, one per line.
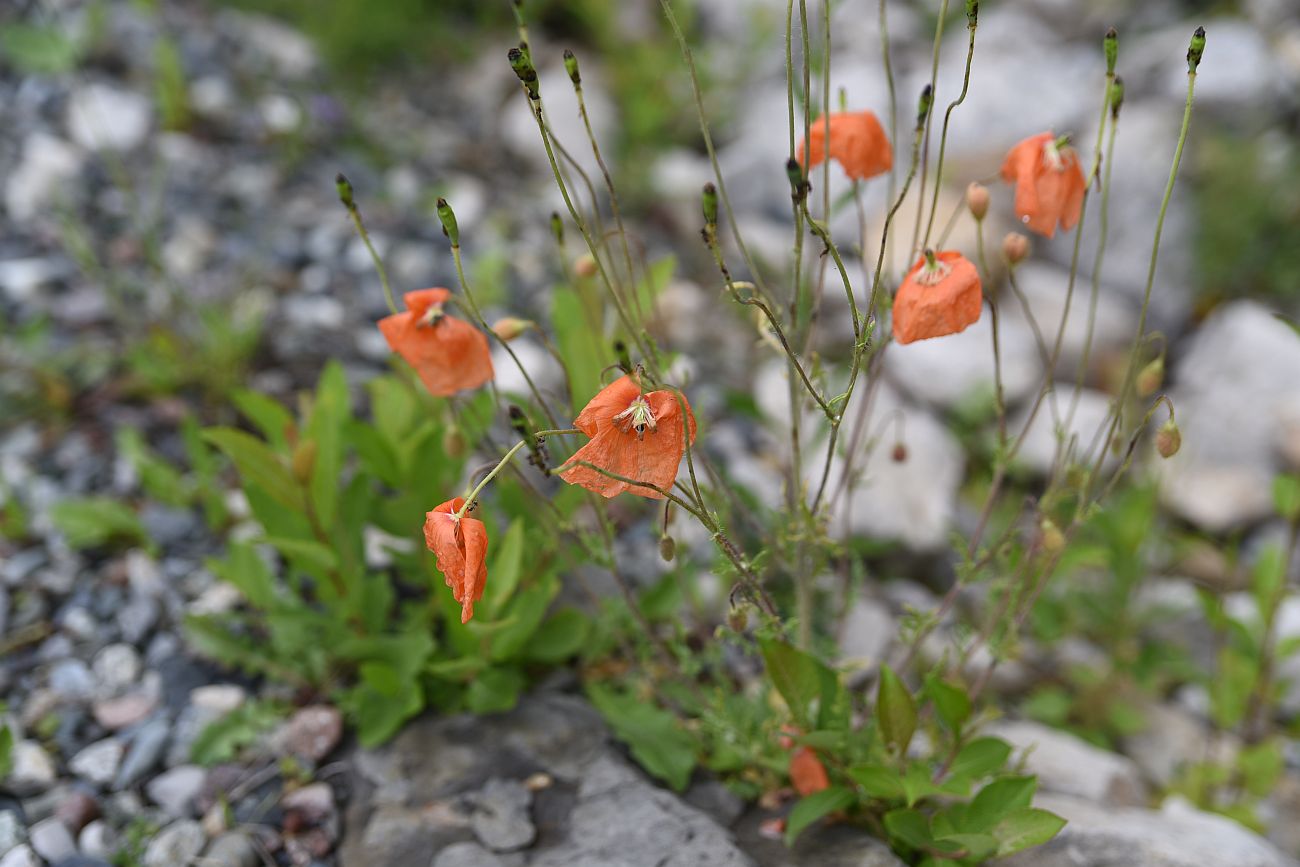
<point x="943" y="136"/>
<point x="472" y="496"/>
<point x="355" y="213"/>
<point x="609" y="185"/>
<point x="893" y="118"/>
<point x="925" y="152"/>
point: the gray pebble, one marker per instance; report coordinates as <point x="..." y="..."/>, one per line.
<point x="145" y="751"/>
<point x="176" y="845"/>
<point x="501" y="815"/>
<point x="51" y="840"/>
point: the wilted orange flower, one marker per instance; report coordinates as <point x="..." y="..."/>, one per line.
<point x="807" y="773"/>
<point x="633" y="434"/>
<point x="1049" y="182"/>
<point x="460" y="544"/>
<point x="858" y="143"/>
<point x="449" y="354"/>
<point x="941" y="295"/>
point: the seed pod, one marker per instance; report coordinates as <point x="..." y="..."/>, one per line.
<point x="667" y="548"/>
<point x="1168" y="439"/>
<point x="304" y="460"/>
<point x="1151" y="377"/>
<point x="900" y="453"/>
<point x="977" y="199"/>
<point x="585" y="266"/>
<point x="738" y="618"/>
<point x="510" y="327"/>
<point x="1015" y="247"/>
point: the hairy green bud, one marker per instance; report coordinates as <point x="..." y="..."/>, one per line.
<point x="710" y="201"/>
<point x="525" y="71"/>
<point x="1116" y="97"/>
<point x="923" y="106"/>
<point x="571" y="67"/>
<point x="344" y="186"/>
<point x="448" y="219"/>
<point x="1110" y="45"/>
<point x="1196" y="49"/>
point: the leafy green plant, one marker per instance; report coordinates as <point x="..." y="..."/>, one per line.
<point x="89" y="522"/>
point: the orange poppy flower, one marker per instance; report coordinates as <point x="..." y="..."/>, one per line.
<point x="807" y="773"/>
<point x="1049" y="183"/>
<point x="633" y="434"/>
<point x="858" y="143"/>
<point x="941" y="295"/>
<point x="460" y="544"/>
<point x="449" y="354"/>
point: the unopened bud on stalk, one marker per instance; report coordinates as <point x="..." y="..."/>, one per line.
<point x="923" y="106"/>
<point x="571" y="67"/>
<point x="557" y="227"/>
<point x="1151" y="376"/>
<point x="510" y="327"/>
<point x="304" y="460"/>
<point x="525" y="71"/>
<point x="710" y="201"/>
<point x="1110" y="45"/>
<point x="1050" y="536"/>
<point x="738" y="618"/>
<point x="977" y="199"/>
<point x="448" y="219"/>
<point x="972" y="12"/>
<point x="344" y="186"/>
<point x="1168" y="439"/>
<point x="1195" y="50"/>
<point x="1015" y="247"/>
<point x="899" y="453"/>
<point x="798" y="185"/>
<point x="1116" y="96"/>
<point x="667" y="548"/>
<point x="624" y="360"/>
<point x="453" y="442"/>
<point x="585" y="266"/>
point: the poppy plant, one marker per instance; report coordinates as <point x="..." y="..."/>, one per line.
<point x="1049" y="182"/>
<point x="460" y="544"/>
<point x="449" y="354"/>
<point x="857" y="142"/>
<point x="634" y="434"/>
<point x="940" y="295"/>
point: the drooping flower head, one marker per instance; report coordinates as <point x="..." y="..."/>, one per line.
<point x="807" y="773"/>
<point x="460" y="545"/>
<point x="449" y="354"/>
<point x="857" y="143"/>
<point x="1049" y="182"/>
<point x="941" y="295"/>
<point x="634" y="434"/>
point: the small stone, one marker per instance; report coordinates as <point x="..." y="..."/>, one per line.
<point x="137" y="618"/>
<point x="466" y="855"/>
<point x="314" y="803"/>
<point x="127" y="710"/>
<point x="501" y="816"/>
<point x="77" y="810"/>
<point x="12" y="832"/>
<point x="101" y="117"/>
<point x="232" y="849"/>
<point x="176" y="845"/>
<point x="51" y="840"/>
<point x="97" y="840"/>
<point x="99" y="762"/>
<point x="71" y="680"/>
<point x="313" y="732"/>
<point x="31" y="770"/>
<point x="146" y="748"/>
<point x="20" y="856"/>
<point x="117" y="667"/>
<point x="1070" y="765"/>
<point x="47" y="165"/>
<point x="220" y="698"/>
<point x="175" y="790"/>
<point x="79" y="623"/>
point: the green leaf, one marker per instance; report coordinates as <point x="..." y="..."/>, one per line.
<point x="1261" y="766"/>
<point x="378" y="457"/>
<point x="1231" y="687"/>
<point x="158" y="478"/>
<point x="329" y="413"/>
<point x="654" y="735"/>
<point x="312" y="557"/>
<point x="581" y="345"/>
<point x="816" y="806"/>
<point x="258" y="465"/>
<point x="223" y="739"/>
<point x="910" y="826"/>
<point x="89" y="522"/>
<point x="917" y="783"/>
<point x="494" y="690"/>
<point x="809" y="688"/>
<point x="998" y="799"/>
<point x="267" y="415"/>
<point x="879" y="782"/>
<point x="1286" y="496"/>
<point x="506" y="569"/>
<point x="655" y="281"/>
<point x="36" y="50"/>
<point x="895" y="710"/>
<point x="974" y="846"/>
<point x="951" y="703"/>
<point x="980" y="758"/>
<point x="393" y="407"/>
<point x="559" y="638"/>
<point x="247" y="572"/>
<point x="1024" y="828"/>
<point x="6" y="751"/>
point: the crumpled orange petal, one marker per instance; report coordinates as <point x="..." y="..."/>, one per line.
<point x="460" y="547"/>
<point x="807" y="773"/>
<point x="857" y="142"/>
<point x="1046" y="194"/>
<point x="652" y="457"/>
<point x="450" y="355"/>
<point x="945" y="307"/>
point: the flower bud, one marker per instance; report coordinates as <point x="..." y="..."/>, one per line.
<point x="453" y="442"/>
<point x="1116" y="96"/>
<point x="710" y="202"/>
<point x="1168" y="439"/>
<point x="1151" y="377"/>
<point x="1110" y="47"/>
<point x="1196" y="49"/>
<point x="738" y="618"/>
<point x="525" y="71"/>
<point x="510" y="327"/>
<point x="1050" y="536"/>
<point x="344" y="186"/>
<point x="923" y="106"/>
<point x="304" y="460"/>
<point x="557" y="227"/>
<point x="585" y="266"/>
<point x="899" y="453"/>
<point x="447" y="217"/>
<point x="571" y="67"/>
<point x="977" y="199"/>
<point x="972" y="13"/>
<point x="1015" y="247"/>
<point x="667" y="548"/>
